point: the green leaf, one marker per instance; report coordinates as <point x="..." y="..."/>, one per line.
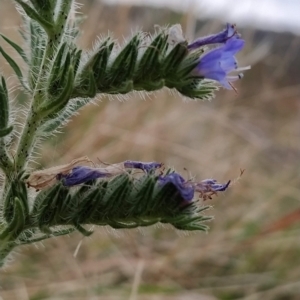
<point x="31" y="13"/>
<point x="15" y="67"/>
<point x="4" y="107"/>
<point x="37" y="45"/>
<point x="16" y="47"/>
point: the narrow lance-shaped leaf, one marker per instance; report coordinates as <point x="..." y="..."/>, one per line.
<point x="15" y="67"/>
<point x="4" y="105"/>
<point x="16" y="47"/>
<point x="31" y="13"/>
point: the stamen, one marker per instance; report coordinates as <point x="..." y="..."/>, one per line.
<point x="234" y="78"/>
<point x="243" y="69"/>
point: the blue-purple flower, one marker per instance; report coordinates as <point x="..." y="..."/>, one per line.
<point x="218" y="63"/>
<point x="81" y="174"/>
<point x="211" y="185"/>
<point x="206" y="188"/>
<point x="184" y="187"/>
<point x="218" y="38"/>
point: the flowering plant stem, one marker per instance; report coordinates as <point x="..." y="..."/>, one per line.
<point x="60" y="79"/>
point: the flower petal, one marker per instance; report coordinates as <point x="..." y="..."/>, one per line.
<point x="218" y="38"/>
<point x="185" y="189"/>
<point x="81" y="174"/>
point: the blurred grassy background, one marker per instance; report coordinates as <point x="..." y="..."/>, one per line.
<point x="256" y="130"/>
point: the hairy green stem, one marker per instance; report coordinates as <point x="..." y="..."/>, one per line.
<point x="6" y="246"/>
<point x="5" y="162"/>
<point x="34" y="119"/>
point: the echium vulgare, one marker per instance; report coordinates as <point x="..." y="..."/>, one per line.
<point x="59" y="78"/>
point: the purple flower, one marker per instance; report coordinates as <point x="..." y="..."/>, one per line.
<point x="206" y="188"/>
<point x="185" y="189"/>
<point x="81" y="174"/>
<point x="218" y="38"/>
<point x="218" y="63"/>
<point x="209" y="187"/>
<point x="145" y="166"/>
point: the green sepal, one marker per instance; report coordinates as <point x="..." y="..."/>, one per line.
<point x="66" y="66"/>
<point x="124" y="88"/>
<point x="31" y="13"/>
<point x="117" y="190"/>
<point x="17" y="222"/>
<point x="43" y="199"/>
<point x="16" y="47"/>
<point x="53" y="106"/>
<point x="17" y="190"/>
<point x="149" y="66"/>
<point x="173" y="59"/>
<point x="189" y="64"/>
<point x="88" y="202"/>
<point x="87" y="87"/>
<point x="15" y="67"/>
<point x="197" y="88"/>
<point x="142" y="193"/>
<point x="92" y="72"/>
<point x="101" y="67"/>
<point x="101" y="60"/>
<point x="150" y="85"/>
<point x="47" y="214"/>
<point x="123" y="66"/>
